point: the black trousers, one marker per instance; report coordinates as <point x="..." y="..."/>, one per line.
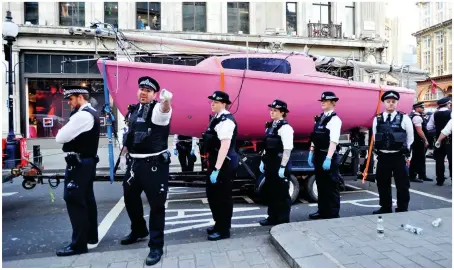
<point x="440" y="154"/>
<point x="151" y="175"/>
<point x="80" y="202"/>
<point x="184" y="156"/>
<point x="220" y="196"/>
<point x="393" y="165"/>
<point x="328" y="185"/>
<point x="418" y="161"/>
<point x="276" y="190"/>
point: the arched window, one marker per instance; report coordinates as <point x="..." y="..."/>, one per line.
<point x="438" y="94"/>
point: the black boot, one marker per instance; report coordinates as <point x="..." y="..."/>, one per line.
<point x="267" y="222"/>
<point x="382" y="211"/>
<point x="219" y="235"/>
<point x="132" y="238"/>
<point x="315" y="215"/>
<point x="416" y="180"/>
<point x="153" y="257"/>
<point x="211" y="230"/>
<point x="427" y="179"/>
<point x="69" y="251"/>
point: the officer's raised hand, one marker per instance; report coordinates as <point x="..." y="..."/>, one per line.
<point x="310" y="158"/>
<point x="326" y="164"/>
<point x="165" y="95"/>
<point x="262" y="167"/>
<point x="214" y="176"/>
<point x="281" y="172"/>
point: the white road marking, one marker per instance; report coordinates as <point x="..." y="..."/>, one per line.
<point x="5" y="194"/>
<point x="204" y="201"/>
<point x="357" y="202"/>
<point x="353" y="191"/>
<point x="303" y="201"/>
<point x="210" y="219"/>
<point x="427" y="195"/>
<point x="108" y="220"/>
<point x="246" y="198"/>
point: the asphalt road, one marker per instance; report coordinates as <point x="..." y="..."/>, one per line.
<point x="33" y="226"/>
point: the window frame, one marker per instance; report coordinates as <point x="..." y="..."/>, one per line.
<point x="37" y="13"/>
<point x="80" y="18"/>
<point x="238" y="18"/>
<point x="322" y="4"/>
<point x="194" y="4"/>
<point x="288" y="14"/>
<point x="148" y="16"/>
<point x="354" y="17"/>
<point x="105" y="9"/>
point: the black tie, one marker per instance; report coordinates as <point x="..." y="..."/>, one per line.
<point x="388" y="119"/>
<point x="140" y="112"/>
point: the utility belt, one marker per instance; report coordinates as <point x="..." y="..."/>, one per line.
<point x="75" y="159"/>
<point x="153" y="161"/>
<point x="403" y="152"/>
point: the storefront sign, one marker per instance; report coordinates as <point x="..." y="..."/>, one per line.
<point x="48" y="122"/>
<point x="63" y="44"/>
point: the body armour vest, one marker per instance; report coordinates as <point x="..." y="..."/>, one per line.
<point x="273" y="142"/>
<point x="320" y="135"/>
<point x="418" y="139"/>
<point x="86" y="143"/>
<point x="441" y="118"/>
<point x="210" y="136"/>
<point x="144" y="137"/>
<point x="390" y="136"/>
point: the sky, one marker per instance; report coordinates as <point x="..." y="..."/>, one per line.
<point x="408" y="14"/>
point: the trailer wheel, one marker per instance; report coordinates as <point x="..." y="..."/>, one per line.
<point x="28" y="183"/>
<point x="294" y="187"/>
<point x="311" y="188"/>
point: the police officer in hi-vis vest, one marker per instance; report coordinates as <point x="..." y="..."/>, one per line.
<point x="220" y="145"/>
<point x="80" y="139"/>
<point x="146" y="144"/>
<point x="324" y="157"/>
<point x="278" y="147"/>
<point x="393" y="134"/>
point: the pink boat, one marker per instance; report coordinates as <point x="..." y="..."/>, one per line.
<point x="293" y="79"/>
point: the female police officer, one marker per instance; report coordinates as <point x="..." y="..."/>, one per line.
<point x="323" y="155"/>
<point x="219" y="144"/>
<point x="278" y="141"/>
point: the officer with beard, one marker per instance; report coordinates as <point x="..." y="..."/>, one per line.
<point x="80" y="139"/>
<point x="146" y="144"/>
<point x="419" y="146"/>
<point x="324" y="157"/>
<point x="220" y="145"/>
<point x="278" y="146"/>
<point x="393" y="133"/>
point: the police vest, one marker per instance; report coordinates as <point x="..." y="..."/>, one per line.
<point x="86" y="143"/>
<point x="390" y="136"/>
<point x="441" y="118"/>
<point x="418" y="139"/>
<point x="273" y="142"/>
<point x="210" y="136"/>
<point x="144" y="137"/>
<point x="320" y="135"/>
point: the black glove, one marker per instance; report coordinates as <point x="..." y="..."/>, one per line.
<point x="406" y="152"/>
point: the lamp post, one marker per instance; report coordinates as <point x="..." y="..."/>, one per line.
<point x="9" y="33"/>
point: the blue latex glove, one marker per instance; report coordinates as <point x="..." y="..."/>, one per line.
<point x="309" y="159"/>
<point x="175" y="152"/>
<point x="262" y="167"/>
<point x="326" y="164"/>
<point x="192" y="153"/>
<point x="281" y="172"/>
<point x="214" y="176"/>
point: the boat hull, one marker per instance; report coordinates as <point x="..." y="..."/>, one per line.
<point x="192" y="85"/>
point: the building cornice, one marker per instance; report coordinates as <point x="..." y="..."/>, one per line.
<point x="52" y="31"/>
<point x="432" y="28"/>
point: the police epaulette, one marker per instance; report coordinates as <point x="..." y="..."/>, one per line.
<point x="131" y="107"/>
<point x="268" y="124"/>
<point x="378" y="115"/>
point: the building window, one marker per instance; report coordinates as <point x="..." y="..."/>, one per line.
<point x="72" y="14"/>
<point x="148" y="15"/>
<point x="440" y="12"/>
<point x="349" y="19"/>
<point x="31" y="12"/>
<point x="291" y="18"/>
<point x="321" y="12"/>
<point x="238" y="17"/>
<point x="438" y="94"/>
<point x="45" y="63"/>
<point x="439" y="53"/>
<point x="449" y="52"/>
<point x="426" y="64"/>
<point x="195" y="16"/>
<point x="111" y="13"/>
<point x="48" y="112"/>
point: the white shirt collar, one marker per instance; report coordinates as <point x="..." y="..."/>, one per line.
<point x="275" y="121"/>
<point x="224" y="111"/>
<point x="385" y="114"/>
<point x="83" y="106"/>
<point x="443" y="109"/>
<point x="328" y="113"/>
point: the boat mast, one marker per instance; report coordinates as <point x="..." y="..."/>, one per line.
<point x="147" y="38"/>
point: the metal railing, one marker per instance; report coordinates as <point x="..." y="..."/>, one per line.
<point x="324" y="30"/>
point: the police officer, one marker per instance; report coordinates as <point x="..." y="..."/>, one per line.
<point x="220" y="145"/>
<point x="148" y="168"/>
<point x="393" y="133"/>
<point x="438" y="120"/>
<point x="278" y="146"/>
<point x="324" y="157"/>
<point x="419" y="146"/>
<point x="185" y="150"/>
<point x="80" y="139"/>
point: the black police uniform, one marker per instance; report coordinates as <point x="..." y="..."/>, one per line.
<point x="148" y="174"/>
<point x="184" y="147"/>
<point x="390" y="136"/>
<point x="276" y="189"/>
<point x="220" y="194"/>
<point x="418" y="156"/>
<point x="328" y="181"/>
<point x="79" y="177"/>
<point x="441" y="118"/>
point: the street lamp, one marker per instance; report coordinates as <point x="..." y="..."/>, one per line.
<point x="9" y="33"/>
